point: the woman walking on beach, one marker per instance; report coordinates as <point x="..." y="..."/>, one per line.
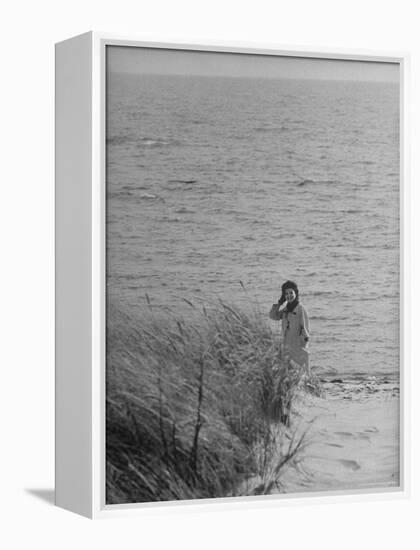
<point x="295" y="325"/>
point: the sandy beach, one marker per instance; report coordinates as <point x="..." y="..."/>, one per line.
<point x="352" y="439"/>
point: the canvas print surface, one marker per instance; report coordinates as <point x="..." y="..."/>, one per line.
<point x="252" y="271"/>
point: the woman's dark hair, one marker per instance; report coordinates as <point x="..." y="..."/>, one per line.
<point x="284" y="287"/>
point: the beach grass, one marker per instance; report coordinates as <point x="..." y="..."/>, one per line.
<point x="196" y="406"/>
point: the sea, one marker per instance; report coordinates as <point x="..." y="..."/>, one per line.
<point x="224" y="188"/>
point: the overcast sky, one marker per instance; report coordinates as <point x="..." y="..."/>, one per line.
<point x="138" y="60"/>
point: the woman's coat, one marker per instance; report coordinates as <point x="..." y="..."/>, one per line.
<point x="295" y="329"/>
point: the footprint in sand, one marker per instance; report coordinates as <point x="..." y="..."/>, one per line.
<point x="357" y="435"/>
<point x="352" y="464"/>
<point x="347" y="434"/>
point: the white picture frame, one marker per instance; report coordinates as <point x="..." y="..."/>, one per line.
<point x="81" y="279"/>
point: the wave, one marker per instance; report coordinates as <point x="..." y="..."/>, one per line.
<point x="156" y="142"/>
<point x="122" y="193"/>
<point x="184" y="210"/>
<point x="305" y="182"/>
<point x="308" y="181"/>
<point x="142" y="196"/>
<point x="141" y="142"/>
<point x="362" y="378"/>
<point x="183" y="181"/>
<point x="350" y="211"/>
<point x="150" y="196"/>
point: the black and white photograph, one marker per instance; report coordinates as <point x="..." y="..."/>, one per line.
<point x="252" y="275"/>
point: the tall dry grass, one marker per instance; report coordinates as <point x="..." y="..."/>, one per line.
<point x="193" y="406"/>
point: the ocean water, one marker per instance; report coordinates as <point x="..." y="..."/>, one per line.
<point x="212" y="181"/>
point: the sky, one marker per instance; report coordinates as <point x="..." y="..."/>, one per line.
<point x="139" y="60"/>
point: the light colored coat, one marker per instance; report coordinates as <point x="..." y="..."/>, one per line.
<point x="295" y="330"/>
